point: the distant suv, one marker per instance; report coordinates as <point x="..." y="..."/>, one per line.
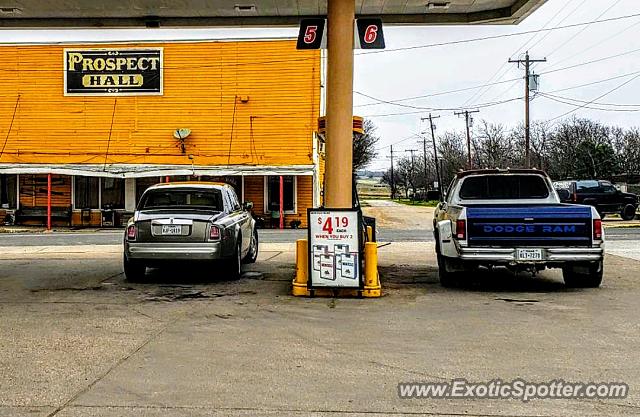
<point x="602" y="195"/>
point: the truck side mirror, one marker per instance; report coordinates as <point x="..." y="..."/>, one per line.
<point x="248" y="205"/>
<point x="564" y="194"/>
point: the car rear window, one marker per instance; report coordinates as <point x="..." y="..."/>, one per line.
<point x="503" y="187"/>
<point x="162" y="199"/>
<point x="588" y="186"/>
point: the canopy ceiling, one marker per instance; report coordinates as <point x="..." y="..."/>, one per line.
<point x="193" y="13"/>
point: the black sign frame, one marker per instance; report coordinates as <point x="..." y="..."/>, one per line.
<point x="311" y="33"/>
<point x="370" y="33"/>
<point x="121" y="69"/>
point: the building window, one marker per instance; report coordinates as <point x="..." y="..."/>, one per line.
<point x="272" y="197"/>
<point x="86" y="191"/>
<point x="112" y="193"/>
<point x="8" y="191"/>
<point x="143" y="183"/>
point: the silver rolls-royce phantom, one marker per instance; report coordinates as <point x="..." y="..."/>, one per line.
<point x="190" y="222"/>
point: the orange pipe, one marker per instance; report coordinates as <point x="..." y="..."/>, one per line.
<point x="281" y="202"/>
<point x="49" y="202"/>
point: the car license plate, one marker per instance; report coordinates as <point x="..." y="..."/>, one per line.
<point x="529" y="254"/>
<point x="171" y="230"/>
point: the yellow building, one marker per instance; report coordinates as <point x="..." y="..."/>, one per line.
<point x="108" y="120"/>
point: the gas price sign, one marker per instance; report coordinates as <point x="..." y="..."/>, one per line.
<point x="334" y="248"/>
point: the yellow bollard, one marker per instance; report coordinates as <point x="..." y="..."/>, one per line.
<point x="372" y="287"/>
<point x="302" y="265"/>
<point x="369" y="234"/>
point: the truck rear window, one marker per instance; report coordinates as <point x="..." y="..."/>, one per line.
<point x="503" y="187"/>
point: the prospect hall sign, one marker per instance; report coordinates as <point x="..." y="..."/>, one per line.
<point x="94" y="72"/>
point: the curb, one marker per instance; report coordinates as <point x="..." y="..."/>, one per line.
<point x="621" y="226"/>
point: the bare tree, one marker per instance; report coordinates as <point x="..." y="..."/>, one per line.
<point x="364" y="145"/>
<point x="452" y="151"/>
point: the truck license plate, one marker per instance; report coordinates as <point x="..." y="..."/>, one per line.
<point x="529" y="254"/>
<point x="171" y="229"/>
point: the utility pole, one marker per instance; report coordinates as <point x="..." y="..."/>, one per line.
<point x="527" y="76"/>
<point x="393" y="179"/>
<point x="468" y="120"/>
<point x="435" y="150"/>
<point x="424" y="166"/>
<point x="412" y="163"/>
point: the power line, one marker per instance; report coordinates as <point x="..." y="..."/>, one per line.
<point x="314" y="58"/>
<point x="592" y="106"/>
<point x="584" y="101"/>
<point x="591" y="62"/>
<point x="505" y="35"/>
<point x="15" y="109"/>
<point x="505" y="64"/>
<point x="620" y="32"/>
<point x="563" y="44"/>
<point x="594" y="82"/>
<point x="561" y="21"/>
<point x="442" y="93"/>
<point x="113" y="115"/>
<point x="595" y="99"/>
<point x="512" y="80"/>
<point x="483" y="105"/>
<point x="413" y="135"/>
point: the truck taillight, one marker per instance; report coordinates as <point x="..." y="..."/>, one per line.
<point x="214" y="234"/>
<point x="461" y="230"/>
<point x="132" y="232"/>
<point x="597" y="229"/>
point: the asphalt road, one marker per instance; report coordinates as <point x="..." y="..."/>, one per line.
<point x="114" y="237"/>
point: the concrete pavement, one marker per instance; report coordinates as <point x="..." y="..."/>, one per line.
<point x="76" y="339"/>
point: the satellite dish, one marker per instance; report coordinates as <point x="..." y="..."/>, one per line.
<point x="181" y="133"/>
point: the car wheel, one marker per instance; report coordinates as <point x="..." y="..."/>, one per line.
<point x="628" y="212"/>
<point x="133" y="270"/>
<point x="234" y="263"/>
<point x="587" y="275"/>
<point x="253" y="249"/>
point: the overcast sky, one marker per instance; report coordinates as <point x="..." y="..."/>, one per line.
<point x="395" y="75"/>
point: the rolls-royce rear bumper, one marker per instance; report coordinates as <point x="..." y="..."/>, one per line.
<point x="208" y="251"/>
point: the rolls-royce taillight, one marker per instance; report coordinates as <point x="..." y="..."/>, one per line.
<point x="132" y="232"/>
<point x="214" y="234"/>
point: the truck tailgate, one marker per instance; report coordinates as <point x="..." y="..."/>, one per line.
<point x="538" y="225"/>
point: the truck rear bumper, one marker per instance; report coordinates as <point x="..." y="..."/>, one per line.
<point x="550" y="255"/>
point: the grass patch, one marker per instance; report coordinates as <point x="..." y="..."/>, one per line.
<point x="422" y="203"/>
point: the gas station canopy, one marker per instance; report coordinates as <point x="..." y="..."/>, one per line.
<point x="184" y="13"/>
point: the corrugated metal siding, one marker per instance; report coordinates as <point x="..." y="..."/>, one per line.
<point x="254" y="192"/>
<point x="202" y="85"/>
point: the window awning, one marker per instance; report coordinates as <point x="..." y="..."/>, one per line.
<point x="142" y="171"/>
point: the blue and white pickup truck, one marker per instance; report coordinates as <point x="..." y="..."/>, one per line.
<point x="514" y="218"/>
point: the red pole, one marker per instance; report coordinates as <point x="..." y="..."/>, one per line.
<point x="281" y="202"/>
<point x="49" y="202"/>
